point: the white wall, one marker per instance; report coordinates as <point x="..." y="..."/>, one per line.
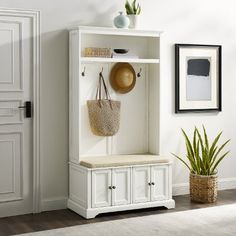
<point x="185" y="21"/>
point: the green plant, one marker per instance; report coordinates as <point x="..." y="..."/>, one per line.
<point x="203" y="158"/>
<point x="132" y="9"/>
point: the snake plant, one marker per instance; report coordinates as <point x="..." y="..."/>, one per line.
<point x="203" y="157"/>
<point x="133" y="8"/>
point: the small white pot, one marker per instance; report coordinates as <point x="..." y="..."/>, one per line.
<point x="134" y="21"/>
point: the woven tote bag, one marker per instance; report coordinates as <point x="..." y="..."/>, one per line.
<point x="104" y="114"/>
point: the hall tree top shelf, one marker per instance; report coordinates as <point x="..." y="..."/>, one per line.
<point x="115" y="31"/>
<point x="143" y="44"/>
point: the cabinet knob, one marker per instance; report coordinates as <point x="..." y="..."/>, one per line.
<point x="114" y="187"/>
<point x="153" y="183"/>
<point x="110" y="187"/>
<point x="149" y="184"/>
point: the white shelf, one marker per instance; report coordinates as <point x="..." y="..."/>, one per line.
<point x="115" y="31"/>
<point x="114" y="60"/>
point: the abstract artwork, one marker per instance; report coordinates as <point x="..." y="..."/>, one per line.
<point x="198" y="78"/>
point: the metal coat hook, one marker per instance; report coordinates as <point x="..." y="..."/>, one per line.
<point x="83" y="73"/>
<point x="101" y="71"/>
<point x="139" y="73"/>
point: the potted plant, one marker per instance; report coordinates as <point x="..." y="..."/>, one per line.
<point x="133" y="11"/>
<point x="203" y="160"/>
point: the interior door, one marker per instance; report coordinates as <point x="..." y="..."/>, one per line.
<point x="101" y="188"/>
<point x="159" y="181"/>
<point x="141" y="184"/>
<point x="121" y="186"/>
<point x="15" y="130"/>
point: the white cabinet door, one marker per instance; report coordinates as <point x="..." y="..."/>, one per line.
<point x="101" y="188"/>
<point x="159" y="181"/>
<point x="121" y="186"/>
<point x="141" y="187"/>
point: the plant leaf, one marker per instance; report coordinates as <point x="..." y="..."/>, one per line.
<point x="218" y="162"/>
<point x="138" y="9"/>
<point x="129" y="9"/>
<point x="214" y="144"/>
<point x="182" y="161"/>
<point x="206" y="138"/>
<point x="198" y="159"/>
<point x="134" y="6"/>
<point x="217" y="153"/>
<point x="203" y="159"/>
<point x="188" y="143"/>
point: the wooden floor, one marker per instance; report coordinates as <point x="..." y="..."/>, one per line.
<point x="65" y="218"/>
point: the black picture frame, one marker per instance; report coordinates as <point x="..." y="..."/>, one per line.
<point x="198" y="63"/>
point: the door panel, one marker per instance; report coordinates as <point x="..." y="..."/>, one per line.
<point x="11" y="43"/>
<point x="141" y="188"/>
<point x="121" y="186"/>
<point x="16" y="87"/>
<point x="101" y="194"/>
<point x="10" y="168"/>
<point x="159" y="191"/>
<point x="9" y="112"/>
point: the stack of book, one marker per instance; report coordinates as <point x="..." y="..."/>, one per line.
<point x="97" y="52"/>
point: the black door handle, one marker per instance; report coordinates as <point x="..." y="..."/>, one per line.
<point x="28" y="109"/>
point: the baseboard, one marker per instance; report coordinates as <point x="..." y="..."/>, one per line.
<point x="51" y="204"/>
<point x="223" y="184"/>
<point x="180" y="189"/>
<point x="227" y="183"/>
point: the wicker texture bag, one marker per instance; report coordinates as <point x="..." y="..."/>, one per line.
<point x="104" y="114"/>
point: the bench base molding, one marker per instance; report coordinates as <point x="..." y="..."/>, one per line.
<point x="93" y="212"/>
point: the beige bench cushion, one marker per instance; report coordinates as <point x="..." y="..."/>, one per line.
<point x="121" y="160"/>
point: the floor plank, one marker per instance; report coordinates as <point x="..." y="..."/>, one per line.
<point x="64" y="218"/>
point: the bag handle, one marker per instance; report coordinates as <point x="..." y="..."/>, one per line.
<point x="107" y="94"/>
<point x="99" y="90"/>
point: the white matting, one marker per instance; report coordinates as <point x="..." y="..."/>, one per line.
<point x="211" y="221"/>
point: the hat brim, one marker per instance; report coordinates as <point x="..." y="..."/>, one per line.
<point x="113" y="77"/>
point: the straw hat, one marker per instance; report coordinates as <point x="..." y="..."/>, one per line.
<point x="122" y="77"/>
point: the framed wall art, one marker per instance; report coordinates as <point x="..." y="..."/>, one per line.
<point x="197" y="78"/>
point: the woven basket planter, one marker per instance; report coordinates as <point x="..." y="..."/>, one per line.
<point x="203" y="188"/>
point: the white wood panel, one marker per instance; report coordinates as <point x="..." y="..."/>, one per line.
<point x="101" y="194"/>
<point x="11" y="55"/>
<point x="141" y="187"/>
<point x="6" y="50"/>
<point x="159" y="176"/>
<point x="74" y="98"/>
<point x="121" y="194"/>
<point x="78" y="185"/>
<point x="153" y="109"/>
<point x="132" y="136"/>
<point x="90" y="144"/>
<point x="10" y="113"/>
<point x="10" y="166"/>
